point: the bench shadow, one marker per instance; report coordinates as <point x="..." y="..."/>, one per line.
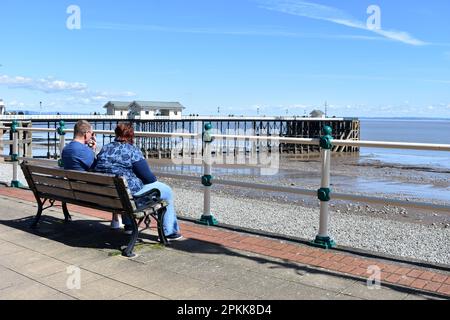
<point x="91" y="234"/>
<point x="205" y="247"/>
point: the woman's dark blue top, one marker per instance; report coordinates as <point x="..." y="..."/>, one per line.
<point x="125" y="160"/>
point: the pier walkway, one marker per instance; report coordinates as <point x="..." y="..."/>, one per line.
<point x="210" y="263"/>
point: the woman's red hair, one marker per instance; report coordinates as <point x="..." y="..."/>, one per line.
<point x="125" y="133"/>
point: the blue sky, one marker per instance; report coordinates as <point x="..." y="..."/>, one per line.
<point x="278" y="56"/>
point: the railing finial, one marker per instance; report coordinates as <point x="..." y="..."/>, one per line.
<point x="62" y="128"/>
<point x="327" y="139"/>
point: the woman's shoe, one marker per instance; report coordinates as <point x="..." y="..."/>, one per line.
<point x="174" y="237"/>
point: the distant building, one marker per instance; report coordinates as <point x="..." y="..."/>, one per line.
<point x="145" y="109"/>
<point x="317" y="114"/>
<point x="117" y="108"/>
<point x="2" y="107"/>
<point x="150" y="109"/>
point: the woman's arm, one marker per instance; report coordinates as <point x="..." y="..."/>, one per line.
<point x="143" y="172"/>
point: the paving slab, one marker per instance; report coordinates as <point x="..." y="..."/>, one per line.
<point x="216" y="292"/>
<point x="297" y="291"/>
<point x="10" y="278"/>
<point x="139" y="295"/>
<point x="361" y="290"/>
<point x="28" y="290"/>
<point x="61" y="281"/>
<point x="326" y="281"/>
<point x="42" y="268"/>
<point x="102" y="289"/>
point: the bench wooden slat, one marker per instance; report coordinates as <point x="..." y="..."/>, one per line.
<point x="96" y="178"/>
<point x="55" y="191"/>
<point x="52" y="171"/>
<point x="104" y="201"/>
<point x="94" y="189"/>
<point x="51" y="181"/>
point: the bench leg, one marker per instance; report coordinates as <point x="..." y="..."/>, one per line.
<point x="128" y="252"/>
<point x="38" y="216"/>
<point x="162" y="236"/>
<point x="67" y="216"/>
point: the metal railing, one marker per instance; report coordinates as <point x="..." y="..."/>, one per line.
<point x="324" y="193"/>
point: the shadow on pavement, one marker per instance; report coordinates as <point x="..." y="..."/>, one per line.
<point x="79" y="233"/>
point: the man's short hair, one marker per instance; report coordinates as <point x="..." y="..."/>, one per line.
<point x="81" y="128"/>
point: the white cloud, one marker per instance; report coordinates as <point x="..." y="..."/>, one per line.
<point x="69" y="94"/>
<point x="334" y="15"/>
<point x="50" y="85"/>
<point x="47" y="85"/>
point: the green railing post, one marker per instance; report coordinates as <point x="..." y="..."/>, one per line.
<point x="323" y="240"/>
<point x="207" y="218"/>
<point x="62" y="141"/>
<point x="15" y="183"/>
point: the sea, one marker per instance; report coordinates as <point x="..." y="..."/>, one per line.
<point x="434" y="131"/>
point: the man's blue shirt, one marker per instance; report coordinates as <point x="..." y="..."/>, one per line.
<point x="78" y="156"/>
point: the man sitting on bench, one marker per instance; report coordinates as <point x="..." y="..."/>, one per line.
<point x="79" y="155"/>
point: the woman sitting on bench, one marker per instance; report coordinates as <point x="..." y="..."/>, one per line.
<point x="122" y="158"/>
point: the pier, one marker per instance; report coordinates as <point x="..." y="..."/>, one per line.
<point x="162" y="147"/>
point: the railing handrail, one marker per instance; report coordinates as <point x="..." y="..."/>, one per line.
<point x="303" y="141"/>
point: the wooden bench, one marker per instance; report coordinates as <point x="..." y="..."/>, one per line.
<point x="96" y="191"/>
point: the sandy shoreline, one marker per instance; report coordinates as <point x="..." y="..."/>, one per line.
<point x="390" y="230"/>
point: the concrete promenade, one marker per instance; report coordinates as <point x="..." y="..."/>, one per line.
<point x="210" y="263"/>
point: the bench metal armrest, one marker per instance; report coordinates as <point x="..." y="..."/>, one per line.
<point x="154" y="193"/>
<point x="154" y="206"/>
<point x="150" y="199"/>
